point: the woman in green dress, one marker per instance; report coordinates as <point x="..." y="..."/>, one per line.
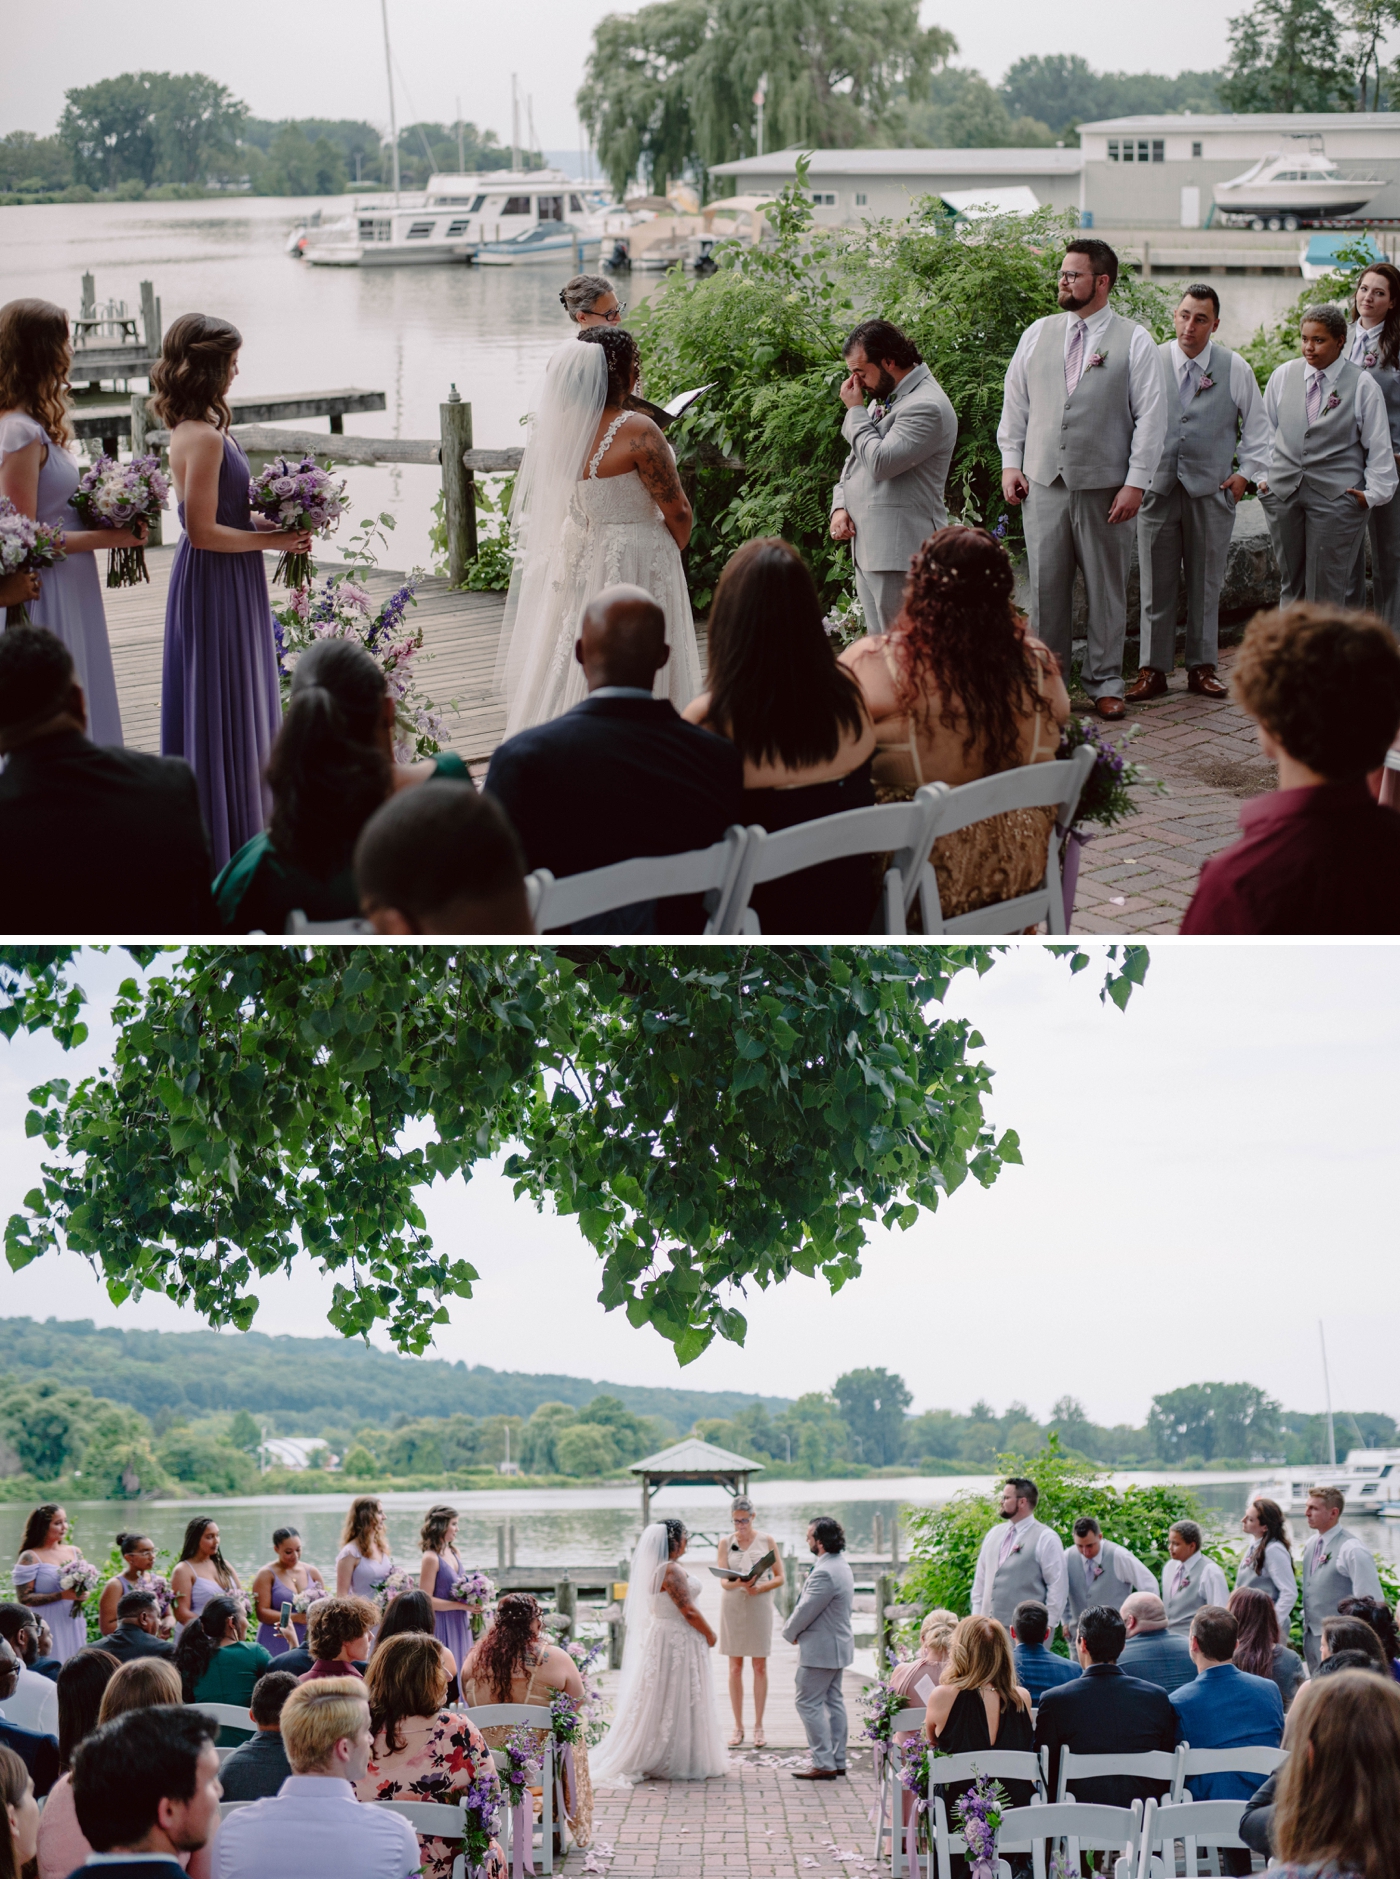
<point x="216" y="1662"/>
<point x="330" y="769"/>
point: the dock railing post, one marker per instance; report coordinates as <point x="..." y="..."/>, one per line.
<point x="458" y="486"/>
<point x="150" y="318"/>
<point x="501" y="1547"/>
<point x="566" y="1603"/>
<point x="138" y="449"/>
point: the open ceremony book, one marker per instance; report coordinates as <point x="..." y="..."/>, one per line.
<point x="669" y="412"/>
<point x="758" y="1568"/>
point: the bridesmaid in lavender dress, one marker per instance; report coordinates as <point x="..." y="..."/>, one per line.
<point x="441" y="1565"/>
<point x="364" y="1557"/>
<point x="201" y="1572"/>
<point x="39" y="474"/>
<point x="43" y="1555"/>
<point x="280" y="1584"/>
<point x="220" y="705"/>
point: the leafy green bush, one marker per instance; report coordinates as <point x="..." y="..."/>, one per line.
<point x="201" y="1460"/>
<point x="488" y="570"/>
<point x="1275" y="345"/>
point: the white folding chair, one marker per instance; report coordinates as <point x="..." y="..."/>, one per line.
<point x="998" y="1765"/>
<point x="1146" y="1765"/>
<point x="1086" y="1828"/>
<point x="1034" y="786"/>
<point x="557" y="904"/>
<point x="888" y="1806"/>
<point x="537" y="1717"/>
<point x="1203" y="1827"/>
<point x="900" y="829"/>
<point x="227" y="1716"/>
<point x="435" y="1819"/>
<point x="1240" y="1761"/>
<point x="298" y="926"/>
<point x="228" y="1807"/>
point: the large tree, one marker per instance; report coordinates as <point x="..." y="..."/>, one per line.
<point x="1285" y="55"/>
<point x="150" y="127"/>
<point x="634" y="102"/>
<point x="1215" y="1422"/>
<point x="715" y="1117"/>
<point x="873" y="1403"/>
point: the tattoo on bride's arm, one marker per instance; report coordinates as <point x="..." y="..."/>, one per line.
<point x="657" y="468"/>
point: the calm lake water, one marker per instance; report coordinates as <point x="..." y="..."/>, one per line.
<point x="571" y="1525"/>
<point x="409" y="332"/>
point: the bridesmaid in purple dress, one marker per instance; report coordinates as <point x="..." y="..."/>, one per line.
<point x="43" y="1555"/>
<point x="220" y="706"/>
<point x="38" y="473"/>
<point x="201" y="1572"/>
<point x="441" y="1565"/>
<point x="364" y="1557"/>
<point x="279" y="1584"/>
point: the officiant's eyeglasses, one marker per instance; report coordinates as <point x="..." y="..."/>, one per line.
<point x="615" y="317"/>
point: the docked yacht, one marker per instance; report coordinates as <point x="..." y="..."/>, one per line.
<point x="1287" y="188"/>
<point x="531" y="215"/>
<point x="1369" y="1478"/>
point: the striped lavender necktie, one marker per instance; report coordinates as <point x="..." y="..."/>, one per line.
<point x="1074" y="358"/>
<point x="1314" y="397"/>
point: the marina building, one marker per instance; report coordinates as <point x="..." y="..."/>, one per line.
<point x="850" y="185"/>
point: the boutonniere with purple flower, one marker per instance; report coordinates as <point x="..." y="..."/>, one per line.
<point x="1332" y="403"/>
<point x="878" y="411"/>
<point x="1368" y="359"/>
<point x="1095" y="358"/>
<point x="1204" y="383"/>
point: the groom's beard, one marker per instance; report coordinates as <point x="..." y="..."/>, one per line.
<point x="884" y="388"/>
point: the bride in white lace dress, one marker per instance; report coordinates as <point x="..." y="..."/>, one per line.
<point x="665" y="1724"/>
<point x="597" y="501"/>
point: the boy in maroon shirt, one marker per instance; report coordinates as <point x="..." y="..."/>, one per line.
<point x="1319" y="855"/>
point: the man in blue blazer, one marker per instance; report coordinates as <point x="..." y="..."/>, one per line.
<point x="1104" y="1712"/>
<point x="1037" y="1667"/>
<point x="1225" y="1708"/>
<point x="621" y="774"/>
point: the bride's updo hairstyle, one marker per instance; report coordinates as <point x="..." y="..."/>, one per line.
<point x="623" y="356"/>
<point x="34" y="358"/>
<point x="676" y="1531"/>
<point x="191" y="377"/>
<point x="959" y="640"/>
<point x="502" y="1654"/>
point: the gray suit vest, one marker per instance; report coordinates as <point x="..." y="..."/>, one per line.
<point x="1325" y="1587"/>
<point x="1182" y="1606"/>
<point x="1200" y="446"/>
<point x="1108" y="1588"/>
<point x="1019" y="1576"/>
<point x="1388" y="378"/>
<point x="1086" y="439"/>
<point x="1326" y="455"/>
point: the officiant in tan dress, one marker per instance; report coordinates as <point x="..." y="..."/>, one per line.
<point x="746" y="1615"/>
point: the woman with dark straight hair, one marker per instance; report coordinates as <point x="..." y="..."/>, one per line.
<point x="201" y="1572"/>
<point x="1373" y="344"/>
<point x="1267" y="1562"/>
<point x="1257" y="1648"/>
<point x="1337" y="1815"/>
<point x="776" y="691"/>
<point x="331" y="767"/>
<point x="220" y="703"/>
<point x="411" y="1614"/>
<point x="81" y="1683"/>
<point x="38" y="474"/>
<point x="38" y="1577"/>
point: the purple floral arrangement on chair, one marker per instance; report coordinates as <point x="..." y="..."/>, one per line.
<point x="978" y="1813"/>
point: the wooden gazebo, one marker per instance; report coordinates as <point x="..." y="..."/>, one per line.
<point x="693" y="1463"/>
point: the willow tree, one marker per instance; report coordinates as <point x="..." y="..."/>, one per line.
<point x="716" y="1118"/>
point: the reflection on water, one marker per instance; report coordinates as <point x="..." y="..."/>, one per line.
<point x="578" y="1526"/>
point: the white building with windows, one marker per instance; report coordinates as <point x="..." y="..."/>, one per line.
<point x="847" y="186"/>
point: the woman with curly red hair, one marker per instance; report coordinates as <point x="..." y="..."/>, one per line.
<point x="960" y="689"/>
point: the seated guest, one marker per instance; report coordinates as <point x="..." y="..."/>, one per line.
<point x="1319" y="855"/>
<point x="1257" y="1649"/>
<point x="337" y="1639"/>
<point x="313" y="1826"/>
<point x="1153" y="1654"/>
<point x="409" y="1615"/>
<point x="441" y="859"/>
<point x="1225" y="1708"/>
<point x="1336" y="1811"/>
<point x="146" y="1792"/>
<point x="979" y="1704"/>
<point x="144" y="1683"/>
<point x="138" y="1629"/>
<point x="960" y="689"/>
<point x="422" y="1751"/>
<point x="797" y="719"/>
<point x="621" y="774"/>
<point x="1105" y="1712"/>
<point x="39" y="1753"/>
<point x="19" y="1815"/>
<point x="1353" y="1634"/>
<point x="95" y="840"/>
<point x="259" y="1766"/>
<point x="918" y="1679"/>
<point x="216" y="1662"/>
<point x="1378" y="1615"/>
<point x="34" y="1705"/>
<point x="330" y="768"/>
<point x="1037" y="1667"/>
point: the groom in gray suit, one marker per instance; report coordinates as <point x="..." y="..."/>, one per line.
<point x="891" y="495"/>
<point x="820" y="1627"/>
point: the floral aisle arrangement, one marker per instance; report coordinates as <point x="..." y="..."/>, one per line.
<point x="387" y="1589"/>
<point x="115" y="495"/>
<point x="978" y="1815"/>
<point x="881" y="1704"/>
<point x="523" y="1767"/>
<point x="1107" y="797"/>
<point x="480" y="1800"/>
<point x="592" y="1719"/>
<point x="26" y="546"/>
<point x="299" y="496"/>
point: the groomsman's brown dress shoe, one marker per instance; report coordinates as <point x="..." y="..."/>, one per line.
<point x="1149" y="683"/>
<point x="1109" y="707"/>
<point x="1201" y="679"/>
<point x="814" y="1774"/>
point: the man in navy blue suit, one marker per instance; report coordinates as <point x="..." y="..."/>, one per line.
<point x="1104" y="1712"/>
<point x="1225" y="1708"/>
<point x="1037" y="1667"/>
<point x="621" y="774"/>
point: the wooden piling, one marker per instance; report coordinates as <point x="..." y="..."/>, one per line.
<point x="150" y="317"/>
<point x="566" y="1603"/>
<point x="458" y="486"/>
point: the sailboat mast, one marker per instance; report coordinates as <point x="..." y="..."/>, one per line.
<point x="514" y="125"/>
<point x="1327" y="1391"/>
<point x="393" y="119"/>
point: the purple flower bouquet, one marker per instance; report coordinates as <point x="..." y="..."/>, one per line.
<point x="299" y="496"/>
<point x="978" y="1813"/>
<point x="115" y="495"/>
<point x="26" y="545"/>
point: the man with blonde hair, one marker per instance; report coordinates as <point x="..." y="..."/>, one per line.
<point x="1335" y="1566"/>
<point x="305" y="1828"/>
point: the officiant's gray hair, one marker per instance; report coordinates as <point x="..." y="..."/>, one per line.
<point x="580" y="294"/>
<point x="741" y="1504"/>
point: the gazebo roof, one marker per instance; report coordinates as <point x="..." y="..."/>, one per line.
<point x="694" y="1456"/>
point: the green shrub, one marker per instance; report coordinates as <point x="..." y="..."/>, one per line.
<point x="585" y="1448"/>
<point x="1275" y="345"/>
<point x="201" y="1460"/>
<point x="360" y="1464"/>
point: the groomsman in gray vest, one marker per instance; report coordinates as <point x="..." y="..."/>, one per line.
<point x="1189" y="1579"/>
<point x="1099" y="1572"/>
<point x="1213" y="410"/>
<point x="1330" y="463"/>
<point x="891" y="495"/>
<point x="1023" y="1559"/>
<point x="1082" y="423"/>
<point x="820" y="1627"/>
<point x="1335" y="1566"/>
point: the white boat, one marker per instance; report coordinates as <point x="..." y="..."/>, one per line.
<point x="457" y="216"/>
<point x="1369" y="1478"/>
<point x="1290" y="187"/>
<point x="554" y="242"/>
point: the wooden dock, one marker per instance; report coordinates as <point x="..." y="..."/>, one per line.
<point x="456" y="665"/>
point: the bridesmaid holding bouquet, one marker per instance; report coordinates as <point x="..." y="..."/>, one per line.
<point x="220" y="704"/>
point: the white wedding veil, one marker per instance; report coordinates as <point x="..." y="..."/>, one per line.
<point x="566" y="409"/>
<point x="648" y="1570"/>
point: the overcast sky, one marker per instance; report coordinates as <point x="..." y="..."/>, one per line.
<point x="1205" y="1176"/>
<point x="325" y="58"/>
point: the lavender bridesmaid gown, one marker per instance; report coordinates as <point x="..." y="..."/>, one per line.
<point x="454" y="1629"/>
<point x="69" y="1627"/>
<point x="269" y="1636"/>
<point x="70" y="599"/>
<point x="220" y="707"/>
